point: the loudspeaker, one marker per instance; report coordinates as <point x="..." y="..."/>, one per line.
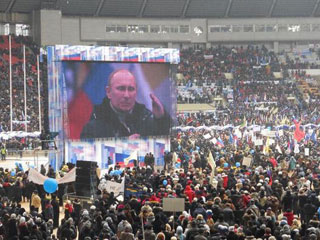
<point x="86" y="171"/>
<point x="86" y="178"/>
<point x="86" y="164"/>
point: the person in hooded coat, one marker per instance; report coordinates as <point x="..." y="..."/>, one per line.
<point x="56" y="211"/>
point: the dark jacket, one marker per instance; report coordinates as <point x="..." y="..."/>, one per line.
<point x="228" y="215"/>
<point x="105" y="123"/>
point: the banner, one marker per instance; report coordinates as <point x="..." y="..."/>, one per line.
<point x="208" y="57"/>
<point x="8" y="135"/>
<point x="268" y="133"/>
<point x="37" y="178"/>
<point x="229" y="126"/>
<point x="116" y="188"/>
<point x="68" y="177"/>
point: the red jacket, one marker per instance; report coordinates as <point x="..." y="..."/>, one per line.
<point x="68" y="207"/>
<point x="225" y="182"/>
<point x="289" y="216"/>
<point x="190" y="193"/>
<point x="246" y="199"/>
<point x="274" y="162"/>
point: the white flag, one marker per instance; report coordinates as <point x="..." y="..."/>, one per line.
<point x="133" y="156"/>
<point x="278" y="149"/>
<point x="214" y="140"/>
<point x="306" y="152"/>
<point x="207" y="136"/>
<point x="174" y="157"/>
<point x="296" y="148"/>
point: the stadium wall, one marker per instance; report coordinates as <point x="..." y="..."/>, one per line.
<point x="15" y="18"/>
<point x="51" y="27"/>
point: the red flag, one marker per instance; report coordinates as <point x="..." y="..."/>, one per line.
<point x="298" y="133"/>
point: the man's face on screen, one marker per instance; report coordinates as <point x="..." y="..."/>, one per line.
<point x="122" y="91"/>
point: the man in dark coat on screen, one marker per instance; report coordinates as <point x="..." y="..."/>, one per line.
<point x="120" y="115"/>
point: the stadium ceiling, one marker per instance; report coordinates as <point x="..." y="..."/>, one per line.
<point x="170" y="8"/>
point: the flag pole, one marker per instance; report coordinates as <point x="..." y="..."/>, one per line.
<point x="10" y="80"/>
<point x="39" y="100"/>
<point x="25" y="88"/>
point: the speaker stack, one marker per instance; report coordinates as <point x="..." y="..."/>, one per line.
<point x="86" y="178"/>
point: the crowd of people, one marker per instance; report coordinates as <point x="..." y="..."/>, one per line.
<point x="206" y="73"/>
<point x="18" y="101"/>
<point x="233" y="187"/>
<point x="276" y="196"/>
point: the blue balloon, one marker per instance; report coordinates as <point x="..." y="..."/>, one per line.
<point x="165" y="182"/>
<point x="116" y="172"/>
<point x="197" y="148"/>
<point x="237" y="164"/>
<point x="252" y="151"/>
<point x="50" y="185"/>
<point x="226" y="164"/>
<point x="13" y="173"/>
<point x="269" y="128"/>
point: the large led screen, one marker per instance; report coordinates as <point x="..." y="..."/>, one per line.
<point x="106" y="100"/>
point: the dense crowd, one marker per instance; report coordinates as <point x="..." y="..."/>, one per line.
<point x="233" y="186"/>
<point x="205" y="74"/>
<point x="210" y="65"/>
<point x="276" y="196"/>
<point x="32" y="50"/>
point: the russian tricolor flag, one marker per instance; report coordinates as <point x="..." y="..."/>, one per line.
<point x="159" y="58"/>
<point x="132" y="57"/>
<point x="230" y="139"/>
<point x="220" y="142"/>
<point x="74" y="56"/>
<point x="314" y="136"/>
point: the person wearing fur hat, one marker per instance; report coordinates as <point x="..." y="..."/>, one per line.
<point x="126" y="234"/>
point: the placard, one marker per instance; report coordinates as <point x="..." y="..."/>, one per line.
<point x="247" y="161"/>
<point x="207" y="136"/>
<point x="173" y="204"/>
<point x="268" y="133"/>
<point x="271" y="141"/>
<point x="280" y="132"/>
<point x="306" y="151"/>
<point x="258" y="142"/>
<point x="214" y="140"/>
